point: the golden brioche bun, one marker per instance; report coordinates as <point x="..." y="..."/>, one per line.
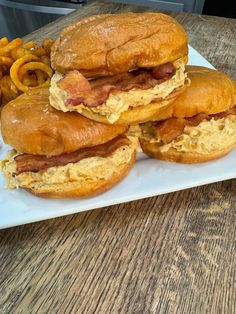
<point x="108" y="44"/>
<point x="32" y="126"/>
<point x="153" y="150"/>
<point x="210" y="92"/>
<point x="136" y="115"/>
<point x="68" y="181"/>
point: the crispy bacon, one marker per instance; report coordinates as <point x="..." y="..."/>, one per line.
<point x="35" y="163"/>
<point x="95" y="92"/>
<point x="196" y="120"/>
<point x="94" y="98"/>
<point x="170" y="129"/>
<point x="72" y="80"/>
<point x="163" y="71"/>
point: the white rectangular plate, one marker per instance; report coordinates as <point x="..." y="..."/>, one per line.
<point x="148" y="178"/>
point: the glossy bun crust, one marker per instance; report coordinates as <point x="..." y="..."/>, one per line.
<point x="31" y="125"/>
<point x="153" y="150"/>
<point x="210" y="92"/>
<point x="140" y="114"/>
<point x="108" y="44"/>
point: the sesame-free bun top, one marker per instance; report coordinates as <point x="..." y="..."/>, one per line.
<point x="210" y="92"/>
<point x="31" y="125"/>
<point x="108" y="44"/>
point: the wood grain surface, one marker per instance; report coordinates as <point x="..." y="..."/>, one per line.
<point x="174" y="253"/>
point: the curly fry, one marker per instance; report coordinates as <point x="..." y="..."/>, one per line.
<point x="26" y="80"/>
<point x="5" y="69"/>
<point x="8" y="88"/>
<point x="39" y="51"/>
<point x="15" y="68"/>
<point x="30" y="80"/>
<point x="3" y="41"/>
<point x="32" y="66"/>
<point x="6" y="60"/>
<point x="23" y="66"/>
<point x="40" y="77"/>
<point x="45" y="84"/>
<point x="19" y="52"/>
<point x="46" y="60"/>
<point x="13" y="44"/>
<point x="29" y="45"/>
<point x="47" y="44"/>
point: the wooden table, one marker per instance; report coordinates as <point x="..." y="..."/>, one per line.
<point x="174" y="253"/>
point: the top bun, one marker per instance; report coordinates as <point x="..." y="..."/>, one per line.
<point x="210" y="92"/>
<point x="32" y="126"/>
<point x="108" y="44"/>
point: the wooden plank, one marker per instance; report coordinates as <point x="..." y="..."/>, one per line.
<point x="168" y="254"/>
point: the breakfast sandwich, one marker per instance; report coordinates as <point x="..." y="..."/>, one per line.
<point x="200" y="125"/>
<point x="60" y="154"/>
<point x="119" y="68"/>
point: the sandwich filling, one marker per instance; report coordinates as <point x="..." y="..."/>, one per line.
<point x="113" y="95"/>
<point x="201" y="134"/>
<point x="134" y="132"/>
<point x="87" y="164"/>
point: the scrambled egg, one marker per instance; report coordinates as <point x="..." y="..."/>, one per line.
<point x="87" y="169"/>
<point x="207" y="137"/>
<point x="120" y="101"/>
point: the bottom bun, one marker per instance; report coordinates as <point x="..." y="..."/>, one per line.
<point x="136" y="115"/>
<point x="133" y="115"/>
<point x="209" y="140"/>
<point x="153" y="150"/>
<point x="88" y="177"/>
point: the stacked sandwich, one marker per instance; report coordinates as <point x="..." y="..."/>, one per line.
<point x="200" y="125"/>
<point x="112" y="72"/>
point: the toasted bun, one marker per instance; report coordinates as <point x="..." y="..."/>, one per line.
<point x="210" y="92"/>
<point x="207" y="141"/>
<point x="114" y="43"/>
<point x="153" y="150"/>
<point x="140" y="114"/>
<point x="87" y="177"/>
<point x="32" y="126"/>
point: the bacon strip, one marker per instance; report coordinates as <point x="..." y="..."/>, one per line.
<point x="95" y="92"/>
<point x="170" y="129"/>
<point x="163" y="71"/>
<point x="35" y="163"/>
